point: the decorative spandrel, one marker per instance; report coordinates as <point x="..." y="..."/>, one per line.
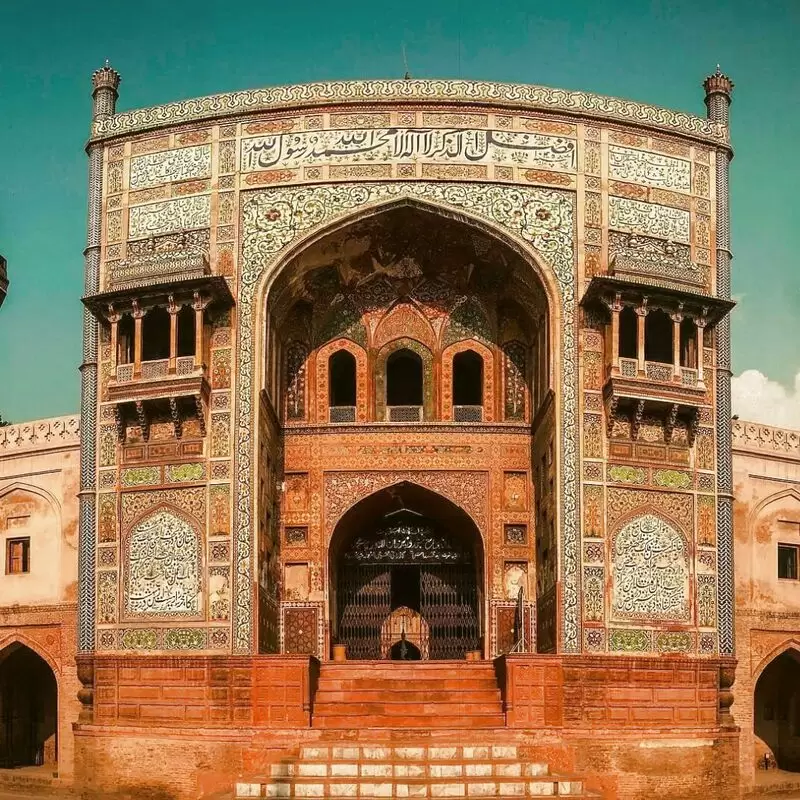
<point x="406" y="542"/>
<point x="163" y="570"/>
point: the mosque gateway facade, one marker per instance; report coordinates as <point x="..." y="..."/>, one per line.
<point x="405" y="425"/>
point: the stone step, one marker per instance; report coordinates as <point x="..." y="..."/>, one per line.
<point x="383" y="769"/>
<point x="354" y="705"/>
<point x="410" y="787"/>
<point x="409" y="671"/>
<point x="406" y="751"/>
<point x="345" y="721"/>
<point x="408" y="694"/>
<point x="330" y="683"/>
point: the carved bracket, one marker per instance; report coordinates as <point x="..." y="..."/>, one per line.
<point x="636" y="420"/>
<point x="669" y="425"/>
<point x="175" y="413"/>
<point x="201" y="413"/>
<point x="144" y="422"/>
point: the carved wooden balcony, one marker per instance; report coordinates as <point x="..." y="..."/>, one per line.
<point x="158" y="380"/>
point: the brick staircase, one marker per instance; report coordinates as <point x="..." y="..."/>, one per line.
<point x="386" y="694"/>
<point x="413" y="769"/>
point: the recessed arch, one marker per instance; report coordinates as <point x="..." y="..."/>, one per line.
<point x="29" y="701"/>
<point x="411" y="551"/>
<point x="267" y="250"/>
<point x="392" y="350"/>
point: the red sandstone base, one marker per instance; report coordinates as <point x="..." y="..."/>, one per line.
<point x="189" y="727"/>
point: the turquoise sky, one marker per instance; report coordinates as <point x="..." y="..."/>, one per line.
<point x="657" y="52"/>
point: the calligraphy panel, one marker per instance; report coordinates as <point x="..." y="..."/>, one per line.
<point x="652" y="169"/>
<point x="288" y="150"/>
<point x="650" y="571"/>
<point x="648" y="218"/>
<point x="170" y="165"/>
<point x="163" y="567"/>
<point x="183" y="213"/>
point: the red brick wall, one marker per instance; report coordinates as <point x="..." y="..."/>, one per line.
<point x="615" y="692"/>
<point x="260" y="691"/>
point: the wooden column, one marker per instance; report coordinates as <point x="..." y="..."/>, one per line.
<point x="700" y="323"/>
<point x="138" y="316"/>
<point x="114" y="319"/>
<point x="173" y="310"/>
<point x="616" y="309"/>
<point x="199" y="305"/>
<point x="677" y="318"/>
<point x="641" y="315"/>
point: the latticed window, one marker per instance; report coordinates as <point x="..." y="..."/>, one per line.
<point x="18" y="556"/>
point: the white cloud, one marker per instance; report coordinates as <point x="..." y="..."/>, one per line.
<point x="756" y="398"/>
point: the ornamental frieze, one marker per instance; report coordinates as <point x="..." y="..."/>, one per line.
<point x="521" y="96"/>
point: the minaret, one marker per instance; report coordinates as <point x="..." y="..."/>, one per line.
<point x="718" y="88"/>
<point x="105" y="82"/>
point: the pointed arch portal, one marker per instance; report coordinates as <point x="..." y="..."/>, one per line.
<point x="28" y="709"/>
<point x="776" y="710"/>
<point x="406" y="569"/>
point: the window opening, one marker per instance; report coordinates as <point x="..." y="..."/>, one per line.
<point x="125" y="334"/>
<point x="342" y="379"/>
<point x="467" y="379"/>
<point x="155" y="334"/>
<point x="18" y="552"/>
<point x="658" y="337"/>
<point x="688" y="343"/>
<point x="627" y="333"/>
<point x="787" y="561"/>
<point x="186" y="331"/>
<point x="404" y="379"/>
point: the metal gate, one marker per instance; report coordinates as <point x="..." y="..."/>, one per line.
<point x="374" y="579"/>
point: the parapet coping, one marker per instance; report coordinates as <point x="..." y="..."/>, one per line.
<point x="40" y="434"/>
<point x="755" y="437"/>
<point x="524" y="97"/>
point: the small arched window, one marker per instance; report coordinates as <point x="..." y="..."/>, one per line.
<point x="467" y="387"/>
<point x="342" y="386"/>
<point x="404" y="388"/>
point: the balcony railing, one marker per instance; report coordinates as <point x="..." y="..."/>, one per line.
<point x="342" y="413"/>
<point x="184" y="365"/>
<point x="657" y="371"/>
<point x="404" y="413"/>
<point x="468" y="413"/>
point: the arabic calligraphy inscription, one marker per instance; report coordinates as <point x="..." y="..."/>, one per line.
<point x="650" y="571"/>
<point x="392" y="144"/>
<point x="648" y="218"/>
<point x="652" y="169"/>
<point x="183" y="213"/>
<point x="163" y="567"/>
<point x="170" y="165"/>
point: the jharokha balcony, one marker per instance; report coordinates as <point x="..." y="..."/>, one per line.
<point x="159" y="337"/>
<point x="655" y="338"/>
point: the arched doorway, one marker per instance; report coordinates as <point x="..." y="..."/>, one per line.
<point x="28" y="709"/>
<point x="406" y="569"/>
<point x="776" y="710"/>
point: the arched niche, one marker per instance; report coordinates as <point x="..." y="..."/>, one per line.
<point x="404" y="321"/>
<point x="29" y="702"/>
<point x="488" y="377"/>
<point x="163" y="567"/>
<point x="279" y="224"/>
<point x="776" y="711"/>
<point x="426" y="360"/>
<point x="323" y="390"/>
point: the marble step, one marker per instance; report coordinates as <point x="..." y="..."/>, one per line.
<point x="407" y="751"/>
<point x="328" y="787"/>
<point x="448" y="768"/>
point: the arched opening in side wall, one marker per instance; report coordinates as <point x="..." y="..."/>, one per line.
<point x="28" y="709"/>
<point x="776" y="711"/>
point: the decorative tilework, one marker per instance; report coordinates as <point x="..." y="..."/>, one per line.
<point x="183" y="213"/>
<point x="527" y="216"/>
<point x="171" y="165"/>
<point x="649" y="219"/>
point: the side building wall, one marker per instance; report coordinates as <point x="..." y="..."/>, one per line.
<point x="766" y="513"/>
<point x="38" y="609"/>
